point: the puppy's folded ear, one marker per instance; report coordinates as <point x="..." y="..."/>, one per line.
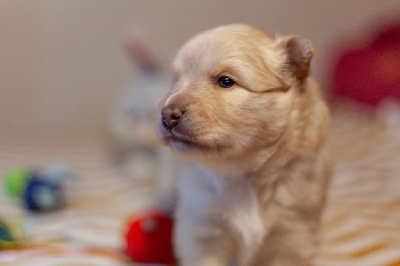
<point x="298" y="51"/>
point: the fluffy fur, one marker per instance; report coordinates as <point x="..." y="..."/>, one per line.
<point x="262" y="146"/>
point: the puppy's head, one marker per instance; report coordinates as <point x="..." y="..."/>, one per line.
<point x="234" y="92"/>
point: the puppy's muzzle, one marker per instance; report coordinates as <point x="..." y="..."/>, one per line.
<point x="170" y="116"/>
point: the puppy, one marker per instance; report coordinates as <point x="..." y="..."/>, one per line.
<point x="243" y="107"/>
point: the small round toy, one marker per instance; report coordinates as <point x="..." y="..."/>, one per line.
<point x="15" y="180"/>
<point x="149" y="238"/>
<point x="43" y="195"/>
<point x="38" y="190"/>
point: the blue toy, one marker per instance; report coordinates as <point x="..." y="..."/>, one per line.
<point x="43" y="195"/>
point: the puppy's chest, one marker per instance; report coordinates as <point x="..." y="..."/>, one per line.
<point x="233" y="201"/>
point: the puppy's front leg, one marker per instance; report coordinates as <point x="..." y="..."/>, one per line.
<point x="199" y="244"/>
<point x="277" y="253"/>
<point x="291" y="242"/>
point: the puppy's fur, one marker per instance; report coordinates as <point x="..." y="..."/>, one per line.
<point x="262" y="144"/>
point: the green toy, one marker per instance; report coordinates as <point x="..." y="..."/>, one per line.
<point x="15" y="181"/>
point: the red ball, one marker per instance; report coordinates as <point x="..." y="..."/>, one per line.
<point x="149" y="238"/>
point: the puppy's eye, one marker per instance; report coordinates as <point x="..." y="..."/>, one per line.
<point x="225" y="82"/>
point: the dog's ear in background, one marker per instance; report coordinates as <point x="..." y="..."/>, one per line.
<point x="298" y="51"/>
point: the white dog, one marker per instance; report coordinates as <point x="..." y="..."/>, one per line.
<point x="244" y="107"/>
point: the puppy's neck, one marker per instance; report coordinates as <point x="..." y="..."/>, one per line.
<point x="240" y="167"/>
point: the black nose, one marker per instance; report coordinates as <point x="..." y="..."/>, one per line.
<point x="170" y="116"/>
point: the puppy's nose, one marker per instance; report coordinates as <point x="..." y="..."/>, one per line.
<point x="170" y="116"/>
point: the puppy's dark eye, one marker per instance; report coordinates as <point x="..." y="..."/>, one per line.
<point x="225" y="82"/>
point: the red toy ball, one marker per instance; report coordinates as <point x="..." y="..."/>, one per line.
<point x="149" y="238"/>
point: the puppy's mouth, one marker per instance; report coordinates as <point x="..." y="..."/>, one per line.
<point x="179" y="141"/>
<point x="178" y="131"/>
<point x="183" y="141"/>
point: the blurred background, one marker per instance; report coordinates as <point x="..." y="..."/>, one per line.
<point x="62" y="62"/>
<point x="79" y="80"/>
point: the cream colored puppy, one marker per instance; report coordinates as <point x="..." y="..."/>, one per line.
<point x="245" y="109"/>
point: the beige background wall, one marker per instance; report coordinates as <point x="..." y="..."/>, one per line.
<point x="61" y="63"/>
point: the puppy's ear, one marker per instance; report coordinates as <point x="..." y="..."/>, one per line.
<point x="298" y="51"/>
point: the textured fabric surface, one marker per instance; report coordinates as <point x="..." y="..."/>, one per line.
<point x="361" y="225"/>
<point x="362" y="220"/>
